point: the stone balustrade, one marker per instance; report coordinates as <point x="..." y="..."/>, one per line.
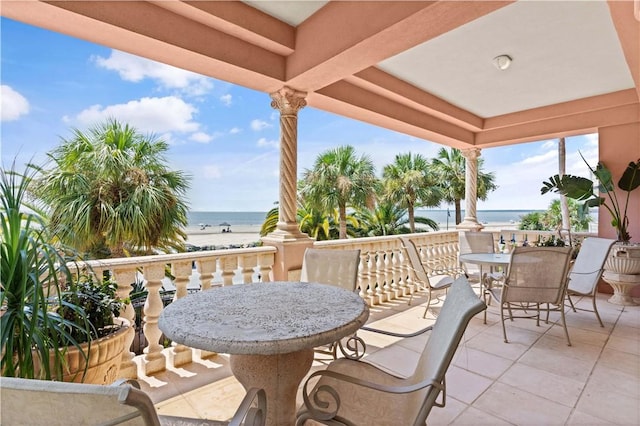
<point x="383" y="276"/>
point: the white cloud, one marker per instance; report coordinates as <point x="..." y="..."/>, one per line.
<point x="14" y="105"/>
<point x="135" y="68"/>
<point x="152" y="115"/>
<point x="235" y="130"/>
<point x="226" y="99"/>
<point x="200" y="137"/>
<point x="264" y="142"/>
<point x="212" y="171"/>
<point x="258" y="125"/>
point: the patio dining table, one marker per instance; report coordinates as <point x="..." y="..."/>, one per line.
<point x="486" y="259"/>
<point x="269" y="330"/>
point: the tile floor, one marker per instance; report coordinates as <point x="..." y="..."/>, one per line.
<point x="535" y="379"/>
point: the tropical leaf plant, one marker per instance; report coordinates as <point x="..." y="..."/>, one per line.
<point x="583" y="189"/>
<point x="34" y="337"/>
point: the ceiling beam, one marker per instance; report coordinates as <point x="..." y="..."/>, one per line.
<point x="343" y="38"/>
<point x="628" y="29"/>
<point x="355" y="102"/>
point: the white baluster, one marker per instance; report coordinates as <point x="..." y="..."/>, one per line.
<point x="206" y="268"/>
<point x="266" y="266"/>
<point x="247" y="263"/>
<point x="154" y="359"/>
<point x="124" y="277"/>
<point x="180" y="354"/>
<point x="228" y="265"/>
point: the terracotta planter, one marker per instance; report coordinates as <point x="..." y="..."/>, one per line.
<point x="624" y="259"/>
<point x="105" y="357"/>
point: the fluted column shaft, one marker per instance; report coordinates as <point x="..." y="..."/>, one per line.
<point x="470" y="189"/>
<point x="288" y="101"/>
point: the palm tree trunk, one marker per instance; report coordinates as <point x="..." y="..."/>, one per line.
<point x="564" y="206"/>
<point x="342" y="211"/>
<point x="412" y="224"/>
<point x="458" y="211"/>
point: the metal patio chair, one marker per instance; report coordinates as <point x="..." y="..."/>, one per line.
<point x="587" y="270"/>
<point x="536" y="276"/>
<point x="421" y="276"/>
<point x="353" y="392"/>
<point x="338" y="268"/>
<point x="46" y="403"/>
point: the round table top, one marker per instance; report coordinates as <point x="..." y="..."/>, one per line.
<point x="264" y="318"/>
<point x="486" y="258"/>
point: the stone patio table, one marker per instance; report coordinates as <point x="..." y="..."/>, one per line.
<point x="269" y="330"/>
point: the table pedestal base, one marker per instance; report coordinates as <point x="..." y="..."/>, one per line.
<point x="622" y="285"/>
<point x="279" y="375"/>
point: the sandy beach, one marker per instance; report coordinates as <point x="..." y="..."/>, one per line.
<point x="240" y="235"/>
<point x="245" y="235"/>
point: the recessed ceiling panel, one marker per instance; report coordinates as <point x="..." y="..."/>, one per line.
<point x="291" y="12"/>
<point x="561" y="51"/>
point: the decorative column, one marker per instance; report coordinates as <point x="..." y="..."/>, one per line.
<point x="470" y="190"/>
<point x="287" y="238"/>
<point x="288" y="101"/>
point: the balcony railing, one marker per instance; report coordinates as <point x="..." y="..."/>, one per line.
<point x="383" y="276"/>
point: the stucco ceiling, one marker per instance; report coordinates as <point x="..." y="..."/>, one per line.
<point x="560" y="50"/>
<point x="424" y="68"/>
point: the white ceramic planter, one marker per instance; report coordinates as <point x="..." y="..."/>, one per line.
<point x="624" y="259"/>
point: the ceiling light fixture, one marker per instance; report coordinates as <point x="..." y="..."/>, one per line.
<point x="502" y="62"/>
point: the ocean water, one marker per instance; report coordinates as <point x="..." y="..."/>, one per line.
<point x="440" y="216"/>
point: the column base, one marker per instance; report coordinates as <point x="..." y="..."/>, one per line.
<point x="470" y="224"/>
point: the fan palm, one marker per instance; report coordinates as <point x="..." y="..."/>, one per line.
<point x="409" y="182"/>
<point x="110" y="190"/>
<point x="339" y="179"/>
<point x="387" y="219"/>
<point x="449" y="167"/>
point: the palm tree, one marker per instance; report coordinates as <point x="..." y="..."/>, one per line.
<point x="449" y="167"/>
<point x="387" y="218"/>
<point x="339" y="179"/>
<point x="110" y="192"/>
<point x="409" y="182"/>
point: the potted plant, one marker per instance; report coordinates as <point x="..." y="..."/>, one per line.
<point x="583" y="189"/>
<point x="46" y="326"/>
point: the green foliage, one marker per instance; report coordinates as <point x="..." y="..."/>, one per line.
<point x="387" y="219"/>
<point x="32" y="270"/>
<point x="110" y="192"/>
<point x="449" y="167"/>
<point x="532" y="222"/>
<point x="339" y="179"/>
<point x="410" y="182"/>
<point x="583" y="189"/>
<point x="99" y="304"/>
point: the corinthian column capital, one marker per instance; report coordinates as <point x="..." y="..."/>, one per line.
<point x="471" y="153"/>
<point x="288" y="101"/>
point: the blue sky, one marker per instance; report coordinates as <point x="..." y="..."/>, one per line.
<point x="224" y="136"/>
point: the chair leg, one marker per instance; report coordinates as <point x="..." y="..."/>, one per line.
<point x="571" y="303"/>
<point x="426" y="310"/>
<point x="564" y="324"/>
<point x="595" y="309"/>
<point x="504" y="328"/>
